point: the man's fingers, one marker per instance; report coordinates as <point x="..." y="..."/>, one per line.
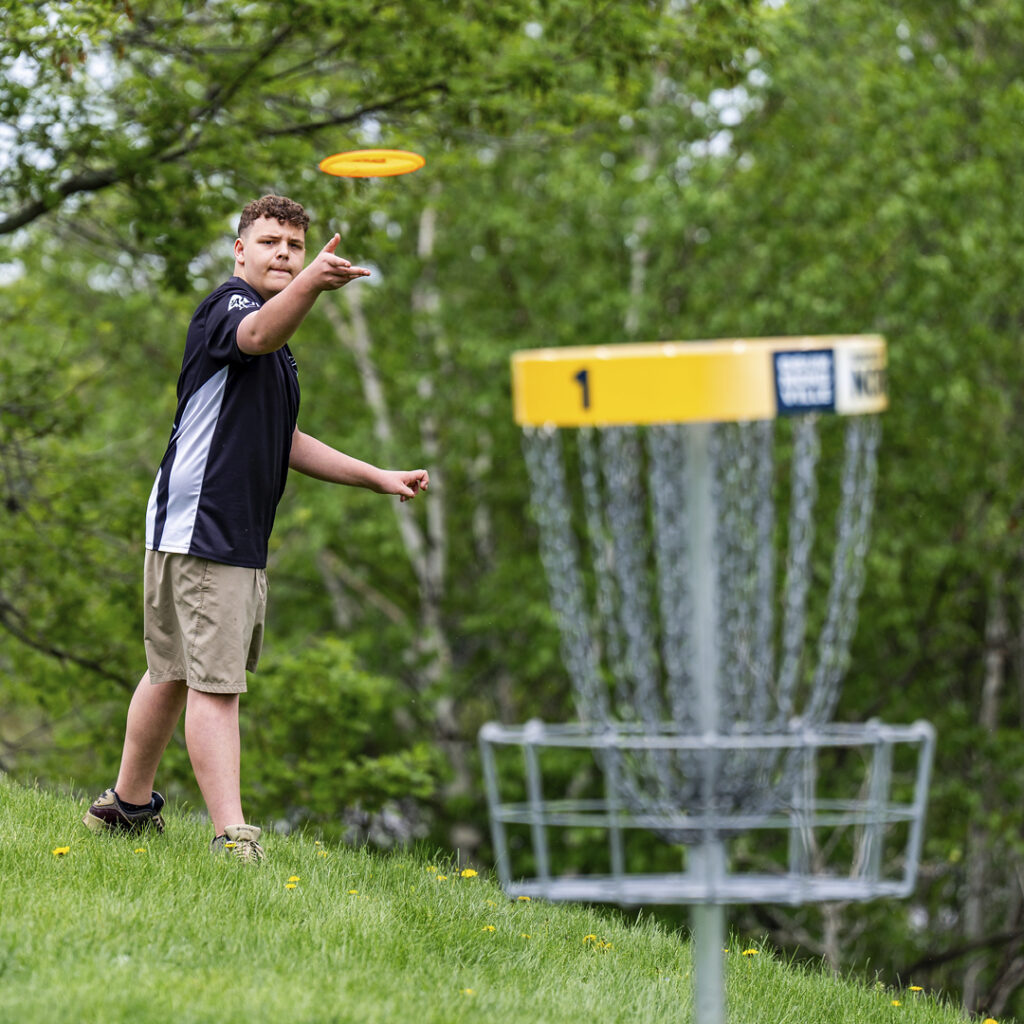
<point x="336" y="264"/>
<point x="335" y="276"/>
<point x="413" y="483"/>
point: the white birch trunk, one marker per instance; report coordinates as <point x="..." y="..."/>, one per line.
<point x="422" y="525"/>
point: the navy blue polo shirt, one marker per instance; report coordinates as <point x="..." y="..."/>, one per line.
<point x="226" y="464"/>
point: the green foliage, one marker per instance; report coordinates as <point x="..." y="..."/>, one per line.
<point x="189" y="108"/>
<point x="320" y="736"/>
<point x="872" y="188"/>
<point x="595" y="173"/>
<point x="59" y="521"/>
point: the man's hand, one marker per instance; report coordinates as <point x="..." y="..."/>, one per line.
<point x="328" y="272"/>
<point x="321" y="461"/>
<point x="270" y="326"/>
<point x="405" y="483"/>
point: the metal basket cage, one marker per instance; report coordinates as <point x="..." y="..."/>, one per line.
<point x="878" y="813"/>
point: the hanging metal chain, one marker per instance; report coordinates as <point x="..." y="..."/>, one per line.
<point x="602" y="555"/>
<point x="620" y="452"/>
<point x="559" y="555"/>
<point x="627" y="618"/>
<point x="666" y="473"/>
<point x="762" y="698"/>
<point x="853" y="524"/>
<point x="803" y="494"/>
<point x="741" y="490"/>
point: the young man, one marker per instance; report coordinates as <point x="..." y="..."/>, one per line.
<point x="211" y="512"/>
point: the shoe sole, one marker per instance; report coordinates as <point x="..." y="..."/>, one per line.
<point x="95" y="824"/>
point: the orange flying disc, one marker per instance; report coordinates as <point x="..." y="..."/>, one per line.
<point x="372" y="163"/>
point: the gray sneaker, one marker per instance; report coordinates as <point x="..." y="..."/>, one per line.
<point x="239" y="841"/>
<point x="108" y="814"/>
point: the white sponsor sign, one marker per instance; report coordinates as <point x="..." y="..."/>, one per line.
<point x="861" y="379"/>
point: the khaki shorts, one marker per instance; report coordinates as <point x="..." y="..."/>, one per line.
<point x="203" y="621"/>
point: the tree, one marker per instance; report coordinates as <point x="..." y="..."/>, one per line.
<point x="137" y="129"/>
<point x="850" y="172"/>
<point x="185" y="108"/>
<point x="870" y="187"/>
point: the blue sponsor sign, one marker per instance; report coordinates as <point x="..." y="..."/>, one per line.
<point x="805" y="381"/>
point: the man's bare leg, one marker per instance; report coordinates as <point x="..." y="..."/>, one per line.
<point x="211" y="735"/>
<point x="152" y="717"/>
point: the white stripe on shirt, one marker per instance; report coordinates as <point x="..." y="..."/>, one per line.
<point x="192" y="442"/>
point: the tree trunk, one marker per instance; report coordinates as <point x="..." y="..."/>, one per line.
<point x="650" y="156"/>
<point x="978" y="852"/>
<point x="422" y="525"/>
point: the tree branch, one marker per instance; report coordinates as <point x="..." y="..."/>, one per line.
<point x="312" y="127"/>
<point x="932" y="960"/>
<point x="333" y="569"/>
<point x="10" y="620"/>
<point x="89" y="181"/>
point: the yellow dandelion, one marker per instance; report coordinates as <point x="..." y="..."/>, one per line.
<point x="321" y="853"/>
<point x="487" y="928"/>
<point x="725" y="949"/>
<point x="442" y="878"/>
<point x="989" y="1020"/>
<point x="590" y="938"/>
<point x="523" y="935"/>
<point x="895" y="1002"/>
<point x="432" y="869"/>
<point x="294" y="878"/>
<point x="916" y="988"/>
<point x="317" y="842"/>
<point x="468" y="873"/>
<point x="524" y="899"/>
<point x="469" y="992"/>
<point x="491" y="903"/>
<point x="291" y="885"/>
<point x="140" y="849"/>
<point x="751" y="952"/>
<point x="353" y="892"/>
<point x="59" y="851"/>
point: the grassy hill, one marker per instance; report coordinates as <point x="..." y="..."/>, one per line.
<point x="104" y="930"/>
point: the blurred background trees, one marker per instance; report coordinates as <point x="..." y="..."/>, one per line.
<point x="596" y="172"/>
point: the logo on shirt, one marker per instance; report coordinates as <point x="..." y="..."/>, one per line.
<point x="240" y="302"/>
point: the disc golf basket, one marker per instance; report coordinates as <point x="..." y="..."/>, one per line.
<point x="705" y="625"/>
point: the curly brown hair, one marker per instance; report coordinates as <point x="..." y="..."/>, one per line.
<point x="285" y="210"/>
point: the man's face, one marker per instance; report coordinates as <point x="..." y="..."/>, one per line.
<point x="269" y="255"/>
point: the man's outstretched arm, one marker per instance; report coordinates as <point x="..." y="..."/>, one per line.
<point x="275" y="322"/>
<point x="316" y="459"/>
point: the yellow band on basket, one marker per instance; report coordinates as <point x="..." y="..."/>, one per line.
<point x="699" y="381"/>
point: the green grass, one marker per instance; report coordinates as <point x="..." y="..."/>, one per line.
<point x="158" y="930"/>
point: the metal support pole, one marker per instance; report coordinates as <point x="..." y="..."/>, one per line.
<point x="494" y="805"/>
<point x="535" y="795"/>
<point x="708" y="973"/>
<point x="706" y="860"/>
